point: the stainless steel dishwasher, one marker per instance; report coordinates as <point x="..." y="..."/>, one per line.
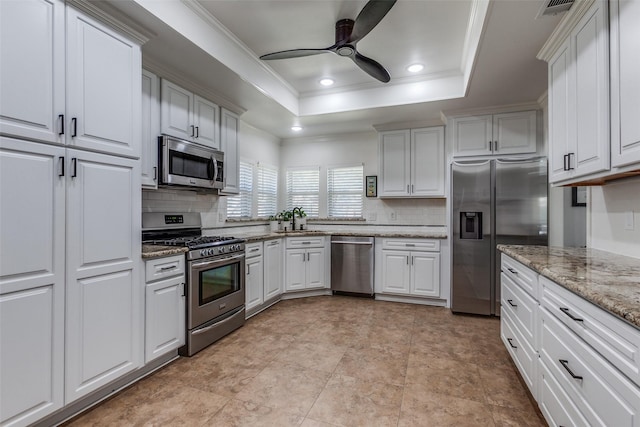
<point x="352" y="265"/>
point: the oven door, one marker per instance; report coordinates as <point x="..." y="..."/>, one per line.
<point x="216" y="286"/>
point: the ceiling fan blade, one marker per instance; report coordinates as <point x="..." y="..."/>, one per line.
<point x="370" y="16"/>
<point x="371" y="67"/>
<point x="295" y="53"/>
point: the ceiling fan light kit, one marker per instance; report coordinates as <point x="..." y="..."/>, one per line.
<point x="348" y="34"/>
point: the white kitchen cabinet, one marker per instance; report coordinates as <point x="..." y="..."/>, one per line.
<point x="254" y="281"/>
<point x="412" y="163"/>
<point x="579" y="99"/>
<point x="104" y="313"/>
<point x="625" y="91"/>
<point x="273" y="262"/>
<point x="497" y="134"/>
<point x="103" y="87"/>
<point x="305" y="266"/>
<point x="32" y="281"/>
<point x="164" y="306"/>
<point x="32" y="72"/>
<point x="188" y="116"/>
<point x="410" y="267"/>
<point x="229" y="133"/>
<point x="150" y="129"/>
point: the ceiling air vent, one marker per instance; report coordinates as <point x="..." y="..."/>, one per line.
<point x="553" y="7"/>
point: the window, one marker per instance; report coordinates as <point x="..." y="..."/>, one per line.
<point x="267" y="191"/>
<point x="303" y="189"/>
<point x="344" y="191"/>
<point x="239" y="206"/>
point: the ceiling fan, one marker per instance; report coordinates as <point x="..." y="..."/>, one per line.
<point x="348" y="34"/>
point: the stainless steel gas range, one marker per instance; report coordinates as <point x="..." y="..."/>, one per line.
<point x="215" y="276"/>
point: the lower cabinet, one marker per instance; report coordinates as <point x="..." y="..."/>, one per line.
<point x="409" y="267"/>
<point x="305" y="262"/>
<point x="164" y="306"/>
<point x="273" y="262"/>
<point x="254" y="280"/>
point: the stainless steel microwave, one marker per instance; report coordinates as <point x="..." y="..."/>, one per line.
<point x="187" y="164"/>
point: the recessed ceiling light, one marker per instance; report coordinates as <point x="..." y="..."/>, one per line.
<point x="326" y="82"/>
<point x="414" y="68"/>
<point x="296" y="128"/>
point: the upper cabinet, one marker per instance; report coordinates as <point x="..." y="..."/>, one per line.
<point x="229" y="132"/>
<point x="187" y="116"/>
<point x="625" y="90"/>
<point x="594" y="132"/>
<point x="412" y="163"/>
<point x="150" y="129"/>
<point x="497" y="134"/>
<point x="82" y="90"/>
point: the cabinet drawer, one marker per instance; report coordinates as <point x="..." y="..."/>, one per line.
<point x="613" y="338"/>
<point x="522" y="353"/>
<point x="253" y="249"/>
<point x="556" y="406"/>
<point x="603" y="395"/>
<point x="305" y="242"/>
<point x="522" y="276"/>
<point x="521" y="307"/>
<point x="161" y="268"/>
<point x="411" y="244"/>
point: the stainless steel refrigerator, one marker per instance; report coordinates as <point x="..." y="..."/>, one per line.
<point x="493" y="201"/>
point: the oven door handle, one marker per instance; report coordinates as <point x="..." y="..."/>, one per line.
<point x="217" y="262"/>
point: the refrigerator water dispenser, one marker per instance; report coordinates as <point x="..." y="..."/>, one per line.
<point x="471" y="225"/>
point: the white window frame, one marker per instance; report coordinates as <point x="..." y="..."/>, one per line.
<point x="244" y="198"/>
<point x="264" y="196"/>
<point x="308" y="200"/>
<point x="354" y="193"/>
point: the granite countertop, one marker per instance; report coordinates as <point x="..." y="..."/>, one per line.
<point x="155" y="251"/>
<point x="258" y="236"/>
<point x="607" y="280"/>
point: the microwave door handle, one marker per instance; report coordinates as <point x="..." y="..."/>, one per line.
<point x="215" y="168"/>
<point x="212" y="168"/>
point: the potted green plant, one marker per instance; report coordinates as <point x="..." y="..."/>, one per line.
<point x="301" y="219"/>
<point x="286" y="219"/>
<point x="274" y="222"/>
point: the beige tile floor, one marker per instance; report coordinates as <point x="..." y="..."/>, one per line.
<point x="335" y="361"/>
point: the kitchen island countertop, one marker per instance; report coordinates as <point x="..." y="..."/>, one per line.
<point x="608" y="280"/>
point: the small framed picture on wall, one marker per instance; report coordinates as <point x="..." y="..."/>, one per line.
<point x="578" y="196"/>
<point x="371" y="186"/>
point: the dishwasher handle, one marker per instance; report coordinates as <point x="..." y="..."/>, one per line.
<point x="352" y="243"/>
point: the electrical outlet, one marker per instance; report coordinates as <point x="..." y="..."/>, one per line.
<point x="628" y="221"/>
<point x="393" y="216"/>
<point x="220" y="217"/>
<point x="373" y="216"/>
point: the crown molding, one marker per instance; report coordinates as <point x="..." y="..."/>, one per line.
<point x="564" y="28"/>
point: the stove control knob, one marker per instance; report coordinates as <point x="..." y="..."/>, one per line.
<point x="203" y="252"/>
<point x="222" y="249"/>
<point x="211" y="251"/>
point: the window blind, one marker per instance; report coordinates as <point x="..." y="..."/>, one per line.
<point x="344" y="191"/>
<point x="239" y="206"/>
<point x="303" y="190"/>
<point x="267" y="191"/>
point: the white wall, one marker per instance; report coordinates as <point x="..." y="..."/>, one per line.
<point x="361" y="148"/>
<point x="607" y="207"/>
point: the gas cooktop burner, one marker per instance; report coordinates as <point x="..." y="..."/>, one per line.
<point x="197" y="242"/>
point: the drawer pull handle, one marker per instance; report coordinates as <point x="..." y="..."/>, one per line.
<point x="172" y="267"/>
<point x="305" y="243"/>
<point x="254" y="250"/>
<point x="565" y="365"/>
<point x="511" y="344"/>
<point x="510" y="301"/>
<point x="411" y="245"/>
<point x="512" y="270"/>
<point x="565" y="310"/>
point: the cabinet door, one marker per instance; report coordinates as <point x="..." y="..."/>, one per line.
<point x="472" y="136"/>
<point x="515" y="133"/>
<point x="272" y="269"/>
<point x="254" y="283"/>
<point x="559" y="82"/>
<point x="32" y="221"/>
<point x="229" y="143"/>
<point x="176" y="111"/>
<point x="394" y="153"/>
<point x="427" y="162"/>
<point x="205" y="119"/>
<point x="625" y="90"/>
<point x="104" y="295"/>
<point x="103" y="88"/>
<point x="589" y="104"/>
<point x="315" y="268"/>
<point x="150" y="129"/>
<point x="425" y="274"/>
<point x="396" y="272"/>
<point x="295" y="276"/>
<point x="164" y="317"/>
<point x="32" y="69"/>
